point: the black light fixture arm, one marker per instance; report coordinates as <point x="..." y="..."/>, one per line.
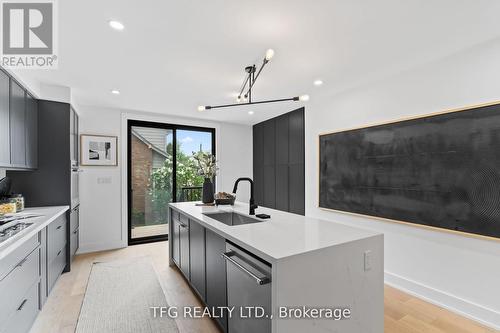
<point x="250" y="78"/>
<point x="296" y="98"/>
<point x="254" y="78"/>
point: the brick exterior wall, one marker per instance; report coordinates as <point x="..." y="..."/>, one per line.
<point x="142" y="161"/>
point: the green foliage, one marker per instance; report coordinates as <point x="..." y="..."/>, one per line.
<point x="160" y="183"/>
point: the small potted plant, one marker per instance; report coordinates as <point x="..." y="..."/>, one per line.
<point x="207" y="168"/>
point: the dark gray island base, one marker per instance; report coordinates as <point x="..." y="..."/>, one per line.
<point x="258" y="270"/>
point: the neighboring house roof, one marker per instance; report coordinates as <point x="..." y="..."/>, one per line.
<point x="153" y="137"/>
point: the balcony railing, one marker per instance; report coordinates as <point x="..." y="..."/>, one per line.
<point x="191" y="193"/>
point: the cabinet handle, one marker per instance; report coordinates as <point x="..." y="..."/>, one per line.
<point x="58" y="253"/>
<point x="22" y="305"/>
<point x="74" y="232"/>
<point x="183" y="225"/>
<point x="260" y="280"/>
<point x="22" y="262"/>
<point x="59" y="227"/>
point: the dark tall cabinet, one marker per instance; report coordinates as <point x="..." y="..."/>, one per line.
<point x="278" y="162"/>
<point x="55" y="181"/>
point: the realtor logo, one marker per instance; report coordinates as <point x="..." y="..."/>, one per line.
<point x="28" y="34"/>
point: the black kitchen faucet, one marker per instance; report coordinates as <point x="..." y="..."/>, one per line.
<point x="252" y="203"/>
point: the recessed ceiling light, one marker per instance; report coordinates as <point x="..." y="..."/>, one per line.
<point x="115" y="92"/>
<point x="250" y="112"/>
<point x="116" y="25"/>
<point x="318" y="82"/>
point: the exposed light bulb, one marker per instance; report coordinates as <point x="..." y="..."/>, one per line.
<point x="238" y="99"/>
<point x="250" y="112"/>
<point x="303" y="98"/>
<point x="269" y="54"/>
<point x="317" y="83"/>
<point x="116" y="25"/>
<point x="245" y="98"/>
<point x="201" y="108"/>
<point x="115" y="92"/>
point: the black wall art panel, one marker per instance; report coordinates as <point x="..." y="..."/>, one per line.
<point x="441" y="171"/>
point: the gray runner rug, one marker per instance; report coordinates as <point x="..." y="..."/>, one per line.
<point x="119" y="298"/>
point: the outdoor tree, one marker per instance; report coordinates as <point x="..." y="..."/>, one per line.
<point x="160" y="183"/>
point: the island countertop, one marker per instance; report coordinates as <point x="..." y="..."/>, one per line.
<point x="48" y="214"/>
<point x="283" y="235"/>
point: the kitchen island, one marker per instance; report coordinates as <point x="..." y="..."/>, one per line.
<point x="308" y="275"/>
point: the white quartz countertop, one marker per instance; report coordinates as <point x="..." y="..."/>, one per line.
<point x="49" y="214"/>
<point x="281" y="236"/>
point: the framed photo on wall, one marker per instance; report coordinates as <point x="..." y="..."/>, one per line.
<point x="100" y="150"/>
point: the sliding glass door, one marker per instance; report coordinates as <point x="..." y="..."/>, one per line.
<point x="161" y="170"/>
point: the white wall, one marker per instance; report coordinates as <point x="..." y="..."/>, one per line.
<point x="456" y="271"/>
<point x="103" y="212"/>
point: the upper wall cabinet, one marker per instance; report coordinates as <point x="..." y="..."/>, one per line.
<point x="18" y="126"/>
<point x="4" y="120"/>
<point x="31" y="132"/>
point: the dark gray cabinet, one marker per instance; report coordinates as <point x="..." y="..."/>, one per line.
<point x="56" y="250"/>
<point x="17" y="125"/>
<point x="174" y="240"/>
<point x="197" y="257"/>
<point x="4" y="120"/>
<point x="184" y="248"/>
<point x="31" y="127"/>
<point x="216" y="274"/>
<point x="52" y="165"/>
<point x="258" y="162"/>
<point x="278" y="162"/>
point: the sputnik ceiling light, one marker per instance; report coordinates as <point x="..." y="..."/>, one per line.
<point x="245" y="94"/>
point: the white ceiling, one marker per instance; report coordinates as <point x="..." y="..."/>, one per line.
<point x="176" y="55"/>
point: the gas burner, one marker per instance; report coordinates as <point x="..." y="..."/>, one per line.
<point x="11" y="231"/>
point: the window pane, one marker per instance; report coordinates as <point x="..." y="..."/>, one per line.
<point x="151" y="180"/>
<point x="189" y="183"/>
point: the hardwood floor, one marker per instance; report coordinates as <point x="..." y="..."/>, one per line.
<point x="403" y="313"/>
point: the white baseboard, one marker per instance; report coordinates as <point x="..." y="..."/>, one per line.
<point x="95" y="247"/>
<point x="479" y="313"/>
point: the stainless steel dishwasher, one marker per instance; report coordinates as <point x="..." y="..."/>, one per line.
<point x="248" y="291"/>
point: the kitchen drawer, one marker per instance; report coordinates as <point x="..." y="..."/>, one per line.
<point x="74" y="220"/>
<point x="25" y="314"/>
<point x="55" y="268"/>
<point x="175" y="214"/>
<point x="9" y="263"/>
<point x="184" y="249"/>
<point x="74" y="242"/>
<point x="56" y="237"/>
<point x="15" y="285"/>
<point x="184" y="219"/>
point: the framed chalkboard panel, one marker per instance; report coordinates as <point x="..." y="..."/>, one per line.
<point x="440" y="170"/>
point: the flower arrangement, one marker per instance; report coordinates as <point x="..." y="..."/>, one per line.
<point x="207" y="164"/>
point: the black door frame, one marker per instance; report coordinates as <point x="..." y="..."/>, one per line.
<point x="174" y="128"/>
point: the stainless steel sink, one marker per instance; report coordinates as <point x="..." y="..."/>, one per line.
<point x="232" y="218"/>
